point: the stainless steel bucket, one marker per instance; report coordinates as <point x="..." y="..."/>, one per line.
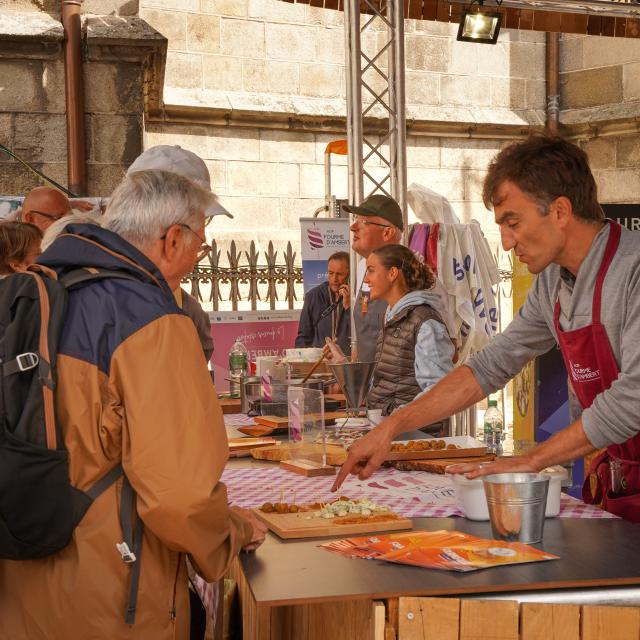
<point x="517" y="503"/>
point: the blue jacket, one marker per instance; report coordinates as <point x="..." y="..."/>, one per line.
<point x="311" y="331"/>
<point x="132" y="388"/>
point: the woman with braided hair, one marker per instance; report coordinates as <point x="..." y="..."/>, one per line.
<point x="414" y="349"/>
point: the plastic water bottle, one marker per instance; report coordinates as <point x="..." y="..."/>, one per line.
<point x="493" y="426"/>
<point x="238" y="360"/>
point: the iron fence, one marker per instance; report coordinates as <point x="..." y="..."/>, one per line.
<point x="247" y="279"/>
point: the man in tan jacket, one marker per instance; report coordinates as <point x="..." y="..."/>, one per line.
<point x="133" y="389"/>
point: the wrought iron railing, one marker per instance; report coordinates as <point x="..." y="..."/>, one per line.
<point x="244" y="279"/>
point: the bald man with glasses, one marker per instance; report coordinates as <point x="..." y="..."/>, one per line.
<point x="43" y="206"/>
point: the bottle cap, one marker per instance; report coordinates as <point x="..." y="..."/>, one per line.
<point x="493" y="403"/>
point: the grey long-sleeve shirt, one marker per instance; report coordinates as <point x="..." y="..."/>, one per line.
<point x="614" y="415"/>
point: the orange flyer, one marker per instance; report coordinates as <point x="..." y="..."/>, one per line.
<point x="449" y="550"/>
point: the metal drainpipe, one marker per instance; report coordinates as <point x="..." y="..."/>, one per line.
<point x="552" y="71"/>
<point x="74" y="96"/>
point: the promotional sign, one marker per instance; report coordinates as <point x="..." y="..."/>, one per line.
<point x="263" y="333"/>
<point x="321" y="237"/>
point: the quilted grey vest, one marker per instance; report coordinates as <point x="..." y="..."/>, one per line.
<point x="394" y="380"/>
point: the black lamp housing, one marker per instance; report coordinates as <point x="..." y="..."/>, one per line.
<point x="479" y="26"/>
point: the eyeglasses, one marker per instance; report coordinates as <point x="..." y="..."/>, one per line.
<point x="205" y="247"/>
<point x="50" y="216"/>
<point x="365" y="223"/>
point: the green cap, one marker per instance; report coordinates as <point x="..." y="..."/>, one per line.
<point x="493" y="403"/>
<point x="381" y="206"/>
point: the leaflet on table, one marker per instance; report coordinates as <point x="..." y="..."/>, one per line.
<point x="449" y="550"/>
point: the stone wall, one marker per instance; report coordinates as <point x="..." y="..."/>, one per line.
<point x="600" y="78"/>
<point x="269" y="179"/>
<point x="600" y="101"/>
<point x="276" y="56"/>
<point x="615" y="161"/>
<point x="32" y="97"/>
<point x="266" y="57"/>
<point x="53" y="7"/>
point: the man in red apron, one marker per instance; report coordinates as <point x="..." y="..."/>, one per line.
<point x="592" y="369"/>
<point x="586" y="298"/>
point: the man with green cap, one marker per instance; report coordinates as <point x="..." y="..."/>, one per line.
<point x="375" y="222"/>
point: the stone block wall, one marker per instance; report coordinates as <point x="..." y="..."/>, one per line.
<point x="600" y="97"/>
<point x="600" y="78"/>
<point x="267" y="56"/>
<point x="53" y="7"/>
<point x="615" y="161"/>
<point x="32" y="100"/>
<point x="269" y="179"/>
<point x="281" y="56"/>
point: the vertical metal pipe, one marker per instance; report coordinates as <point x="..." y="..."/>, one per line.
<point x="552" y="72"/>
<point x="353" y="72"/>
<point x="353" y="75"/>
<point x="397" y="118"/>
<point x="74" y="94"/>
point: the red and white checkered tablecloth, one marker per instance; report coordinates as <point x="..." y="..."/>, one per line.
<point x="413" y="494"/>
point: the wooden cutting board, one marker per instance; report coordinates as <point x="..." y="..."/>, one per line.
<point x="239" y="447"/>
<point x="259" y="430"/>
<point x="278" y="422"/>
<point x="335" y="455"/>
<point x="435" y="466"/>
<point x="305" y="525"/>
<point x="465" y="447"/>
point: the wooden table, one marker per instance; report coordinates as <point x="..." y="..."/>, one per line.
<point x="299" y="591"/>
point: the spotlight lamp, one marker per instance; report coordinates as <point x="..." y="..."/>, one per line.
<point x="479" y="25"/>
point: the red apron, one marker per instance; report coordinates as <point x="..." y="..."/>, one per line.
<point x="592" y="369"/>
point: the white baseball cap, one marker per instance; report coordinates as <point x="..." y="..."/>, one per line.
<point x="165" y="157"/>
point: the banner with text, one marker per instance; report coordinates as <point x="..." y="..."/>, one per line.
<point x="321" y="237"/>
<point x="263" y="333"/>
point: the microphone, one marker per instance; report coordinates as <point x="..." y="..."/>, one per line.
<point x="330" y="309"/>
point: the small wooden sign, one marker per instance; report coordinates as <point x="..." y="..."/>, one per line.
<point x="307" y="468"/>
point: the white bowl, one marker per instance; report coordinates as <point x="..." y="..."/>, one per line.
<point x="471" y="498"/>
<point x="473" y="501"/>
<point x="556" y="475"/>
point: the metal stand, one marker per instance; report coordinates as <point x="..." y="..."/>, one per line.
<point x="375" y="89"/>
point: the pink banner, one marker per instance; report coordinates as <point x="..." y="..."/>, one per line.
<point x="263" y="333"/>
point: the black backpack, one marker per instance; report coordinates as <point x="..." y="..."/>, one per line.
<point x="39" y="508"/>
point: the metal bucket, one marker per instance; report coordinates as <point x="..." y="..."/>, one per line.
<point x="517" y="503"/>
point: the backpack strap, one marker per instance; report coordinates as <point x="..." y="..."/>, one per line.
<point x="130" y="548"/>
<point x="21" y="362"/>
<point x="76" y="277"/>
<point x="105" y="482"/>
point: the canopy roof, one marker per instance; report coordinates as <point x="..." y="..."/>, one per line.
<point x="620" y="18"/>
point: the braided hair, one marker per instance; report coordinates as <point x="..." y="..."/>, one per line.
<point x="417" y="275"/>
